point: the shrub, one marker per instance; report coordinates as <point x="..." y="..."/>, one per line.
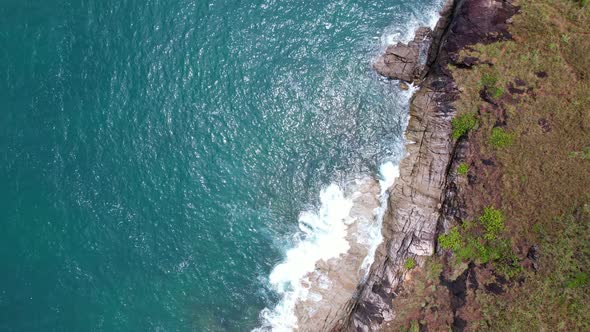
<point x="500" y="138"/>
<point x="493" y="222"/>
<point x="453" y="240"/>
<point x="462" y="124"/>
<point x="480" y="242"/>
<point x="489" y="80"/>
<point x="496" y="92"/>
<point x="410" y="263"/>
<point x="462" y="169"/>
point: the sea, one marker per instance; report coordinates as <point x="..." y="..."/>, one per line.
<point x="182" y="165"/>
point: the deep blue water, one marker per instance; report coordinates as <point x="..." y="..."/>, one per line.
<point x="156" y="154"/>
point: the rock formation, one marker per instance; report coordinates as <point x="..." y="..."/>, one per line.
<point x="406" y="62"/>
<point x="416" y="201"/>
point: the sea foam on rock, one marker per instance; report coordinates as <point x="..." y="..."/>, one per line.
<point x="322" y="271"/>
<point x="419" y="199"/>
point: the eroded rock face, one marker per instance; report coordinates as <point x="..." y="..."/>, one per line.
<point x="406" y="62"/>
<point x="416" y="199"/>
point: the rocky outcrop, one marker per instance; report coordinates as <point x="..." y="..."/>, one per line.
<point x="421" y="198"/>
<point x="406" y="62"/>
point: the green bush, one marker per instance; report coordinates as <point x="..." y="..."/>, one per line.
<point x="481" y="242"/>
<point x="462" y="124"/>
<point x="489" y="80"/>
<point x="493" y="222"/>
<point x="453" y="240"/>
<point x="500" y="138"/>
<point x="410" y="263"/>
<point x="462" y="169"/>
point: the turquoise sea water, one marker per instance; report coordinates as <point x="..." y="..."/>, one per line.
<point x="156" y="154"/>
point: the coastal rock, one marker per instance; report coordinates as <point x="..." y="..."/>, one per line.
<point x="406" y="62"/>
<point x="334" y="282"/>
<point x="421" y="202"/>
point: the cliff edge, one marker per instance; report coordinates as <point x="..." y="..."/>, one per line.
<point x="416" y="200"/>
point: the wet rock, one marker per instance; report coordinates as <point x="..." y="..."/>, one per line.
<point x="406" y="62"/>
<point x="404" y="86"/>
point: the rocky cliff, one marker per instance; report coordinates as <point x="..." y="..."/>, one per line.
<point x="421" y="198"/>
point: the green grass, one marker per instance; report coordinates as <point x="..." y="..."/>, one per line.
<point x="500" y="139"/>
<point x="462" y="124"/>
<point x="556" y="297"/>
<point x="489" y="80"/>
<point x="532" y="180"/>
<point x="584" y="154"/>
<point x="496" y="92"/>
<point x="410" y="263"/>
<point x="462" y="169"/>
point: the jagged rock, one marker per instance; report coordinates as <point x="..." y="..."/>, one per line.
<point x="420" y="200"/>
<point x="406" y="62"/>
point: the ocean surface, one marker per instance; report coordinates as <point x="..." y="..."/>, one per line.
<point x="161" y="158"/>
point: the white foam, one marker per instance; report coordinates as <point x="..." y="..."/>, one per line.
<point x="404" y="34"/>
<point x="388" y="172"/>
<point x="323" y="232"/>
<point x="324" y="237"/>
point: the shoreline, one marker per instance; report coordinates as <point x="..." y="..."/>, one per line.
<point x="421" y="199"/>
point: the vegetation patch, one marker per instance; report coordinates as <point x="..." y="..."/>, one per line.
<point x="490" y="82"/>
<point x="481" y="242"/>
<point x="462" y="169"/>
<point x="462" y="124"/>
<point x="500" y="139"/>
<point x="555" y="297"/>
<point x="410" y="263"/>
<point x="584" y="154"/>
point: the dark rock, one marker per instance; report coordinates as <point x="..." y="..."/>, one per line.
<point x="466" y="62"/>
<point x="471" y="179"/>
<point x="488" y="162"/>
<point x="513" y="90"/>
<point x="541" y="74"/>
<point x="545" y="125"/>
<point x="484" y="94"/>
<point x="533" y="256"/>
<point x="459" y="325"/>
<point x="519" y="82"/>
<point x="495" y="288"/>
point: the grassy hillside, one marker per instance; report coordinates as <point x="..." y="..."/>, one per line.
<point x="520" y="260"/>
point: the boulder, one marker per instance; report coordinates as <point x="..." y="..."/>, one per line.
<point x="406" y="62"/>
